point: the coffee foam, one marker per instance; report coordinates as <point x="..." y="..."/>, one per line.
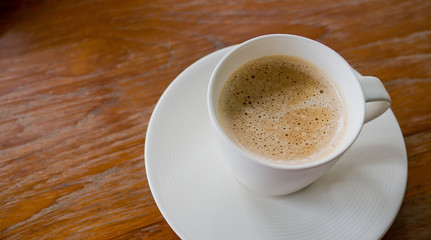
<point x="282" y="108"/>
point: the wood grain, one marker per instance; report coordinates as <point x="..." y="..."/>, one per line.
<point x="79" y="81"/>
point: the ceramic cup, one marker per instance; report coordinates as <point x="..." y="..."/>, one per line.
<point x="365" y="98"/>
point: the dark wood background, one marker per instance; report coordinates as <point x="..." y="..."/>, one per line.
<point x="79" y="81"/>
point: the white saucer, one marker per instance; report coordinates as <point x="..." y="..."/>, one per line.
<point x="358" y="198"/>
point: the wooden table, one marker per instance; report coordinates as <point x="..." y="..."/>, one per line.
<point x="79" y="81"/>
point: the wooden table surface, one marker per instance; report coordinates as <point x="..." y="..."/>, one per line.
<point x="80" y="79"/>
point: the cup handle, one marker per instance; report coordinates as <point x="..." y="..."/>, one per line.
<point x="377" y="98"/>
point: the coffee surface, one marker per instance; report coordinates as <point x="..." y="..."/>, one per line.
<point x="283" y="109"/>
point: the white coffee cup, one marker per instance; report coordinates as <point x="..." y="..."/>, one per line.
<point x="365" y="99"/>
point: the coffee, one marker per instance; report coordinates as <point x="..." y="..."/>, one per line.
<point x="283" y="109"/>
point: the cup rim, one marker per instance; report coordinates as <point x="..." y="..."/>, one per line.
<point x="211" y="108"/>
